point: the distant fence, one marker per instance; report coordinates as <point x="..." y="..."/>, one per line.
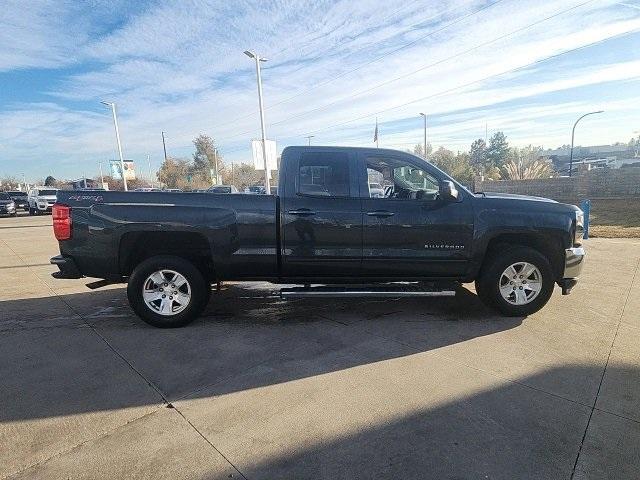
<point x="620" y="183"/>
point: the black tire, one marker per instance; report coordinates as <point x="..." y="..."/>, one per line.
<point x="31" y="211"/>
<point x="487" y="285"/>
<point x="199" y="290"/>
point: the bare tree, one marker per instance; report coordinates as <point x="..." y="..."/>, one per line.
<point x="9" y="183"/>
<point x="243" y="175"/>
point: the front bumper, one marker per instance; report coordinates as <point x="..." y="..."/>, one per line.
<point x="573" y="263"/>
<point x="68" y="268"/>
<point x="7" y="211"/>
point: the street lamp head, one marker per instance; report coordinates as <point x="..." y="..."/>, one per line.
<point x="599" y="111"/>
<point x="108" y="104"/>
<point x="251" y="54"/>
<point x="423" y="114"/>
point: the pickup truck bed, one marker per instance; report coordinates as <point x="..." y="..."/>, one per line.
<point x="123" y="226"/>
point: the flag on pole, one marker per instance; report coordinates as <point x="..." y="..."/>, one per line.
<point x="375" y="133"/>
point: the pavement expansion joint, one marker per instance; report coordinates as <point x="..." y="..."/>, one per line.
<point x="604" y="370"/>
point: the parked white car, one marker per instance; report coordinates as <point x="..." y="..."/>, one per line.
<point x="41" y="199"/>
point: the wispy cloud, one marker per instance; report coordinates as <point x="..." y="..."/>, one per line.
<point x="333" y="65"/>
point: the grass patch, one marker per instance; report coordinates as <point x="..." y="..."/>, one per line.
<point x="615" y="218"/>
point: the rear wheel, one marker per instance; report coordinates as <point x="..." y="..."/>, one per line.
<point x="167" y="291"/>
<point x="517" y="281"/>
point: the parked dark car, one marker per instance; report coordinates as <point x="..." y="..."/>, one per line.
<point x="20" y="198"/>
<point x="222" y="189"/>
<point x="323" y="227"/>
<point x="255" y="190"/>
<point x="7" y="205"/>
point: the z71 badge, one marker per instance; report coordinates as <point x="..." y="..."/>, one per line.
<point x="91" y="198"/>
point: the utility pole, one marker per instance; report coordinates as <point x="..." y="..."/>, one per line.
<point x="164" y="146"/>
<point x="375" y="134"/>
<point x="149" y="165"/>
<point x="424" y="115"/>
<point x="309" y="137"/>
<point x="257" y="58"/>
<point x="101" y="176"/>
<point x="115" y="124"/>
<point x="215" y="156"/>
<point x="573" y="132"/>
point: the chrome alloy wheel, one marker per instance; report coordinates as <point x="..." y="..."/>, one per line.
<point x="166" y="292"/>
<point x="520" y="283"/>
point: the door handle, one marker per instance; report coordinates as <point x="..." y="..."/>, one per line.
<point x="301" y="211"/>
<point x="380" y="213"/>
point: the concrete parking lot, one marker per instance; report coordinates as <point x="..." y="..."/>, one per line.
<point x="262" y="389"/>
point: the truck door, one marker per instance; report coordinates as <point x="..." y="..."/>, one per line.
<point x="321" y="215"/>
<point x="408" y="230"/>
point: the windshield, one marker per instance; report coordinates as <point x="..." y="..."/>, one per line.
<point x="43" y="193"/>
<point x="4" y="196"/>
<point x="18" y="194"/>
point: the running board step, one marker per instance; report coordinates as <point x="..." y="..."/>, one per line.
<point x="384" y="291"/>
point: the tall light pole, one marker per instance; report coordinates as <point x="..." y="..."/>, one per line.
<point x="573" y="132"/>
<point x="115" y="124"/>
<point x="101" y="176"/>
<point x="164" y="146"/>
<point x="257" y="58"/>
<point x="309" y="137"/>
<point x="215" y="156"/>
<point x="424" y="115"/>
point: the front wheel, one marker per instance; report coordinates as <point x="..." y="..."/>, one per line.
<point x="517" y="281"/>
<point x="167" y="291"/>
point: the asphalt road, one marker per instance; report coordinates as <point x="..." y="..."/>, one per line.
<point x="264" y="389"/>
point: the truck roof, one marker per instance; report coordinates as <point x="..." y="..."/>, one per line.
<point x="345" y="149"/>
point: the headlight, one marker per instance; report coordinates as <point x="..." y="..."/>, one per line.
<point x="11" y="206"/>
<point x="579" y="228"/>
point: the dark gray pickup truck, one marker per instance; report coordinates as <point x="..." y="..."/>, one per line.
<point x="355" y="221"/>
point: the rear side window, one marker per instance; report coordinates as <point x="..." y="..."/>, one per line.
<point x="47" y="192"/>
<point x="324" y="174"/>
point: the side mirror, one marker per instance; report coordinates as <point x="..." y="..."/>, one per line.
<point x="448" y="191"/>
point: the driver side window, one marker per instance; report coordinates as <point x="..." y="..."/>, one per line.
<point x="395" y="178"/>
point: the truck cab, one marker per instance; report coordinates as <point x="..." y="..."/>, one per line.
<point x="335" y="224"/>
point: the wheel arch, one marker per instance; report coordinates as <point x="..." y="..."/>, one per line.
<point x="138" y="246"/>
<point x="548" y="244"/>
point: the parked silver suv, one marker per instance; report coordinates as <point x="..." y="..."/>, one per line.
<point x="41" y="199"/>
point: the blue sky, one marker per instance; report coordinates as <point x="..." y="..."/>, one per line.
<point x="527" y="68"/>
